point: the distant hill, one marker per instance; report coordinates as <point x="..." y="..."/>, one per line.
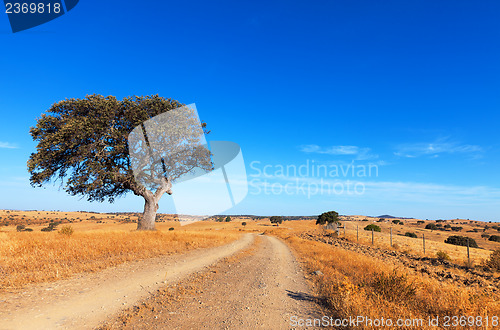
<point x="387" y="216"/>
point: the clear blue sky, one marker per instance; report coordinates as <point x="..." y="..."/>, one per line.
<point x="411" y="87"/>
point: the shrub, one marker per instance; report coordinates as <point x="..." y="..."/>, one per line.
<point x="171" y="228"/>
<point x="485" y="236"/>
<point x="66" y="230"/>
<point x="494" y="261"/>
<point x="364" y="220"/>
<point x="457" y="228"/>
<point x="374" y="227"/>
<point x="431" y="226"/>
<point x="494" y="238"/>
<point x="441" y="255"/>
<point x="394" y="286"/>
<point x="228" y="219"/>
<point x="461" y="240"/>
<point x="20" y="227"/>
<point x="413" y="235"/>
<point x="395" y="222"/>
<point x="420" y="222"/>
<point x="243" y="223"/>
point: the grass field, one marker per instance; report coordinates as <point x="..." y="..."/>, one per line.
<point x="351" y="283"/>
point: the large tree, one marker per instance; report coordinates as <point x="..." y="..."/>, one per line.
<point x="328" y="217"/>
<point x="84" y="143"/>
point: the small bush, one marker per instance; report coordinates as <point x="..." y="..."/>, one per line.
<point x="20" y="227"/>
<point x="494" y="238"/>
<point x="374" y="227"/>
<point x="420" y="222"/>
<point x="413" y="235"/>
<point x="171" y="228"/>
<point x="243" y="223"/>
<point x="441" y="255"/>
<point x="485" y="236"/>
<point x="395" y="222"/>
<point x="494" y="261"/>
<point x="461" y="241"/>
<point x="431" y="226"/>
<point x="457" y="228"/>
<point x="394" y="286"/>
<point x="66" y="230"/>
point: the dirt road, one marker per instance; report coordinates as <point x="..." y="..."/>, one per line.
<point x="262" y="289"/>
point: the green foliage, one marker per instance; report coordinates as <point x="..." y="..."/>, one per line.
<point x="494" y="238"/>
<point x="243" y="224"/>
<point x="228" y="219"/>
<point x="171" y="228"/>
<point x="413" y="235"/>
<point x="84" y="144"/>
<point x="431" y="226"/>
<point x="276" y="219"/>
<point x="461" y="240"/>
<point x="420" y="222"/>
<point x="395" y="222"/>
<point x="373" y="226"/>
<point x="20" y="227"/>
<point x="328" y="217"/>
<point x="457" y="228"/>
<point x="66" y="230"/>
<point x="441" y="255"/>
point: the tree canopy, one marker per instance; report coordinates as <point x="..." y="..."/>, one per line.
<point x="84" y="144"/>
<point x="328" y="217"/>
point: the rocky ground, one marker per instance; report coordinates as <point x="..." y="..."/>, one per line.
<point x="442" y="270"/>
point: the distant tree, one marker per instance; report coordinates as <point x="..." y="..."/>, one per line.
<point x="494" y="238"/>
<point x="276" y="219"/>
<point x="420" y="222"/>
<point x="328" y="217"/>
<point x="461" y="240"/>
<point x="243" y="223"/>
<point x="374" y="227"/>
<point x="381" y="220"/>
<point x="431" y="226"/>
<point x="228" y="219"/>
<point x="220" y="219"/>
<point x="413" y="235"/>
<point x="84" y="143"/>
<point x="395" y="222"/>
<point x="485" y="236"/>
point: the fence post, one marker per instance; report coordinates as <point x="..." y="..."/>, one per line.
<point x="468" y="255"/>
<point x="357" y="233"/>
<point x="391" y="236"/>
<point x="372" y="236"/>
<point x="423" y="239"/>
<point x="345" y="224"/>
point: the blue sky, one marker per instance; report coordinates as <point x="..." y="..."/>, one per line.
<point x="410" y="87"/>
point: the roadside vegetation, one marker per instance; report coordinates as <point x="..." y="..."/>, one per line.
<point x="34" y="257"/>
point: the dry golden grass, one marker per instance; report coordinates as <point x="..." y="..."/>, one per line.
<point x="33" y="257"/>
<point x="353" y="284"/>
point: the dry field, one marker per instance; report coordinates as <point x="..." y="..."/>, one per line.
<point x="356" y="277"/>
<point x="352" y="283"/>
<point x="34" y="257"/>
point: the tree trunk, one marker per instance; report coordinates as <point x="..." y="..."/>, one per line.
<point x="147" y="222"/>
